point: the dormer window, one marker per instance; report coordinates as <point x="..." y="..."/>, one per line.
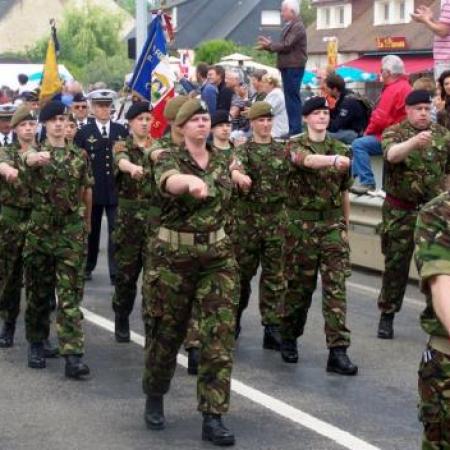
<point x="334" y="16"/>
<point x="391" y="12"/>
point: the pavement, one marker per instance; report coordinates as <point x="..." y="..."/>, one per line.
<point x="275" y="406"/>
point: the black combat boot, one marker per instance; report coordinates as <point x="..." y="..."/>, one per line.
<point x="36" y="358"/>
<point x="386" y="326"/>
<point x="272" y="337"/>
<point x="193" y="359"/>
<point x="154" y="412"/>
<point x="339" y="362"/>
<point x="7" y="334"/>
<point x="122" y="329"/>
<point x="215" y="431"/>
<point x="50" y="350"/>
<point x="289" y="351"/>
<point x="75" y="367"/>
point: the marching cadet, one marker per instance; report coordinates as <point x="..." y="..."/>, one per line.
<point x="260" y="222"/>
<point x="7" y="136"/>
<point x="192" y="261"/>
<point x="60" y="183"/>
<point x="432" y="237"/>
<point x="318" y="210"/>
<point x="71" y="129"/>
<point x="98" y="139"/>
<point x="417" y="160"/>
<point x="135" y="186"/>
<point x="16" y="207"/>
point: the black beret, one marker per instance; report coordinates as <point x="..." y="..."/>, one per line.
<point x="313" y="104"/>
<point x="137" y="108"/>
<point x="79" y="97"/>
<point x="218" y="117"/>
<point x="418" y="96"/>
<point x="52" y="109"/>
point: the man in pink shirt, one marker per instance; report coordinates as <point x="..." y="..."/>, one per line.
<point x="389" y="111"/>
<point x="441" y="30"/>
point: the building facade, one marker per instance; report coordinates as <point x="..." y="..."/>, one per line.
<point x="366" y="30"/>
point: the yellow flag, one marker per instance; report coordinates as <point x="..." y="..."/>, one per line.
<point x="51" y="83"/>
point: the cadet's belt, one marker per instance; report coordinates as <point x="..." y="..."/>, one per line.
<point x="15" y="214"/>
<point x="305" y="214"/>
<point x="45" y="218"/>
<point x="190" y="239"/>
<point x="441" y="344"/>
<point x="398" y="203"/>
<point x="132" y="204"/>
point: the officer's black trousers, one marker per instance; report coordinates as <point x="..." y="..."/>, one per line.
<point x="94" y="237"/>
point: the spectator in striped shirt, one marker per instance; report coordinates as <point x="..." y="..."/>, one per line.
<point x="441" y="30"/>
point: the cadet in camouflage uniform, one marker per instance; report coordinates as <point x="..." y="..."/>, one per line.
<point x="135" y="187"/>
<point x="318" y="210"/>
<point x="220" y="126"/>
<point x="417" y="160"/>
<point x="192" y="261"/>
<point x="16" y="207"/>
<point x="432" y="237"/>
<point x="260" y="222"/>
<point x="60" y="182"/>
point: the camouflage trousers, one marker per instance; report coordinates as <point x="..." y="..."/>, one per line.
<point x="434" y="407"/>
<point x="130" y="238"/>
<point x="12" y="239"/>
<point x="397" y="246"/>
<point x="180" y="277"/>
<point x="55" y="252"/>
<point x="260" y="239"/>
<point x="193" y="335"/>
<point x="313" y="247"/>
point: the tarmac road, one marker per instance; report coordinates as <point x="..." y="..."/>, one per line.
<point x="275" y="406"/>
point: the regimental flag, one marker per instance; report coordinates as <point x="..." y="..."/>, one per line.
<point x="153" y="78"/>
<point x="51" y="84"/>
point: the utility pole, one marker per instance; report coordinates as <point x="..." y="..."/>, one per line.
<point x="141" y="25"/>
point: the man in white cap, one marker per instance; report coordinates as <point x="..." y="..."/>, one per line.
<point x="97" y="139"/>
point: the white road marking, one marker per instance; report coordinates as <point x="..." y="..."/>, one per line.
<point x="370" y="290"/>
<point x="344" y="438"/>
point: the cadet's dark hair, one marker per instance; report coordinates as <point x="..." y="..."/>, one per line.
<point x="335" y="81"/>
<point x="202" y="69"/>
<point x="23" y="79"/>
<point x="219" y="71"/>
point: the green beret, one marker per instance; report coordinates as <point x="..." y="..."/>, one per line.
<point x="260" y="109"/>
<point x="22" y="113"/>
<point x="173" y="106"/>
<point x="190" y="109"/>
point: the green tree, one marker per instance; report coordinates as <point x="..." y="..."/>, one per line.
<point x="212" y="51"/>
<point x="308" y="12"/>
<point x="89" y="36"/>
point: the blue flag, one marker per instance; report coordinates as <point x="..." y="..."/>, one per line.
<point x="155" y="49"/>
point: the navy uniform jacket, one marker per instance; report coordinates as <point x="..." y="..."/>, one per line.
<point x="100" y="151"/>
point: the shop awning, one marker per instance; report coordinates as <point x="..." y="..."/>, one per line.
<point x="371" y="64"/>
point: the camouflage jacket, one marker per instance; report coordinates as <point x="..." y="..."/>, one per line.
<point x="183" y="212"/>
<point x="268" y="167"/>
<point x="127" y="187"/>
<point x="15" y="194"/>
<point x="317" y="189"/>
<point x="421" y="176"/>
<point x="55" y="188"/>
<point x="432" y="254"/>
